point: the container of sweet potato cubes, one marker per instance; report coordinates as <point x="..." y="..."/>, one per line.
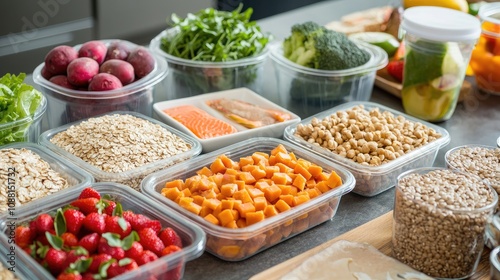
<point x="372" y="141"/>
<point x="252" y="195"/>
<point x="121" y="147"/>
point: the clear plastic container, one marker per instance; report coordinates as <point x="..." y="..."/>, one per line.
<point x="193" y="238"/>
<point x="67" y="105"/>
<point x="188" y="78"/>
<point x="255" y="238"/>
<point x="130" y="177"/>
<point x="495" y="264"/>
<point x="372" y="180"/>
<point x="485" y="57"/>
<point x="438" y="44"/>
<point x="433" y="237"/>
<point x="26" y="129"/>
<point x="308" y="90"/>
<point x="75" y="176"/>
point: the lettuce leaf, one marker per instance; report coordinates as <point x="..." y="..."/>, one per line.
<point x="18" y="102"/>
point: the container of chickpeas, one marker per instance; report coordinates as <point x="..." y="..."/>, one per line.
<point x="440" y="219"/>
<point x="375" y="143"/>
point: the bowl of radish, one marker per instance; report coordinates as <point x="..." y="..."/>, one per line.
<point x="97" y="77"/>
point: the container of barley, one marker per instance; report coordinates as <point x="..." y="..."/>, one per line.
<point x="121" y="147"/>
<point x="440" y="218"/>
<point x="375" y="143"/>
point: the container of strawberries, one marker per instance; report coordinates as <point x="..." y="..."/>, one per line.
<point x="99" y="232"/>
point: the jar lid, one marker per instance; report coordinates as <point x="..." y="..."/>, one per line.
<point x="490" y="12"/>
<point x="441" y="24"/>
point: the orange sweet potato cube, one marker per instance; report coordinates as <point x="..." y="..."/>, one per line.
<point x="297" y="200"/>
<point x="248" y="160"/>
<point x="299" y="182"/>
<point x="205" y="171"/>
<point x="272" y="193"/>
<point x="281" y="178"/>
<point x="258" y="173"/>
<point x="300" y="169"/>
<point x="225" y="216"/>
<point x="288" y="198"/>
<point x="212" y="219"/>
<point x="255" y="217"/>
<point x="179" y="184"/>
<point x="270" y="211"/>
<point x="334" y="180"/>
<point x="260" y="203"/>
<point x="254" y="192"/>
<point x="246" y="177"/>
<point x="228" y="190"/>
<point x="227" y="204"/>
<point x="171" y="193"/>
<point x="218" y="166"/>
<point x="244" y="208"/>
<point x="282" y="206"/>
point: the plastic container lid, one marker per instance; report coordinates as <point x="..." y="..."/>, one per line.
<point x="490" y="12"/>
<point x="441" y="24"/>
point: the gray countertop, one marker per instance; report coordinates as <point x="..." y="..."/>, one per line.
<point x="476" y="120"/>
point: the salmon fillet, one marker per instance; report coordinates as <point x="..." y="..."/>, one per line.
<point x="202" y="124"/>
<point x="247" y="114"/>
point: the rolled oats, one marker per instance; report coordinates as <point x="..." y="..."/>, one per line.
<point x="34" y="178"/>
<point x="118" y="143"/>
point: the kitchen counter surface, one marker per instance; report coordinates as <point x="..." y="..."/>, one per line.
<point x="476" y="120"/>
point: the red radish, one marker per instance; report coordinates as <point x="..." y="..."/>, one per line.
<point x="82" y="70"/>
<point x="62" y="80"/>
<point x="103" y="82"/>
<point x="142" y="61"/>
<point x="58" y="59"/>
<point x="123" y="70"/>
<point x="118" y="50"/>
<point x="93" y="49"/>
<point x="46" y="73"/>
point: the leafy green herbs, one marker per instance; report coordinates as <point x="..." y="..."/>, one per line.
<point x="18" y="101"/>
<point x="216" y="36"/>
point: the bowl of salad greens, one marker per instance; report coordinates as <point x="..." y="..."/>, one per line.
<point x="213" y="50"/>
<point x="21" y="110"/>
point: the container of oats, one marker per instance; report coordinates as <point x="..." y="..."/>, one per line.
<point x="440" y="218"/>
<point x="120" y="147"/>
<point x="29" y="172"/>
<point x="375" y="143"/>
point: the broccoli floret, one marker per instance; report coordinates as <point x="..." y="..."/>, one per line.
<point x="314" y="46"/>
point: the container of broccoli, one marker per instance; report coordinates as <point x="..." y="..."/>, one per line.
<point x="213" y="50"/>
<point x="21" y="110"/>
<point x="318" y="68"/>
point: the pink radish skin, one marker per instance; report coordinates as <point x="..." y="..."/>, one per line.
<point x="46" y="73"/>
<point x="94" y="49"/>
<point x="118" y="50"/>
<point x="58" y="59"/>
<point x="142" y="61"/>
<point x="123" y="70"/>
<point x="104" y="82"/>
<point x="62" y="80"/>
<point x="82" y="70"/>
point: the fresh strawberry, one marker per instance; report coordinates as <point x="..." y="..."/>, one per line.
<point x="150" y="241"/>
<point x="86" y="205"/>
<point x="42" y="238"/>
<point x="43" y="223"/>
<point x="32" y="227"/>
<point x="115" y="252"/>
<point x="70" y="276"/>
<point x="170" y="249"/>
<point x="146" y="257"/>
<point x="95" y="222"/>
<point x="154" y="224"/>
<point x="111" y="206"/>
<point x="55" y="259"/>
<point x="74" y="220"/>
<point x="88" y="276"/>
<point x="97" y="260"/>
<point x="395" y="69"/>
<point x="75" y="255"/>
<point x="89" y="192"/>
<point x="116" y="269"/>
<point x="114" y="225"/>
<point x="24" y="236"/>
<point x="135" y="220"/>
<point x="69" y="239"/>
<point x="90" y="242"/>
<point x="170" y="237"/>
<point x="135" y="251"/>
